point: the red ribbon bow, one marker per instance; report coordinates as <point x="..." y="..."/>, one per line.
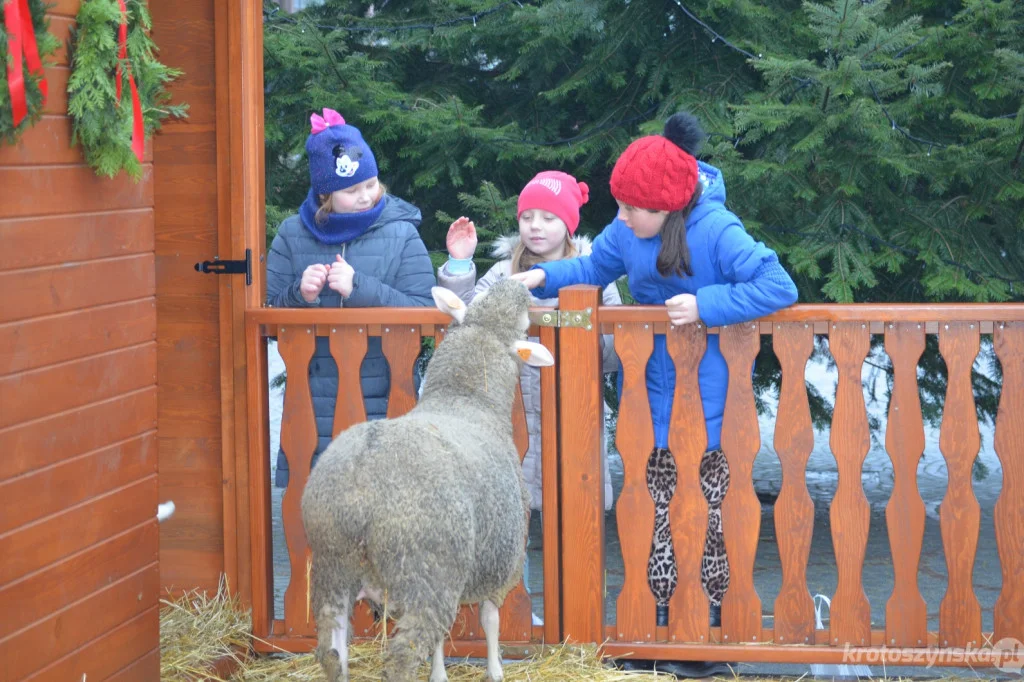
<point x="138" y="129"/>
<point x="21" y="41"/>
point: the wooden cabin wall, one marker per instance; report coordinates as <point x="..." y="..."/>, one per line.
<point x="79" y="576"/>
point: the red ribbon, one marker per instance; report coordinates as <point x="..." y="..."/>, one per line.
<point x="138" y="129"/>
<point x="21" y="41"/>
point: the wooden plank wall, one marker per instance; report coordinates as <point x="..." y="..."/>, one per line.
<point x="188" y="196"/>
<point x="79" y="576"/>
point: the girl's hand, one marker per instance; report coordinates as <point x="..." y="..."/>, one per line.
<point x="682" y="309"/>
<point x="461" y="239"/>
<point x="312" y="283"/>
<point x="531" y="278"/>
<point x="340" y="277"/>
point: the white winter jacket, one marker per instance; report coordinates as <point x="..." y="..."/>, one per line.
<point x="468" y="287"/>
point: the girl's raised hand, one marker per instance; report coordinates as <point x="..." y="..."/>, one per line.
<point x="312" y="283"/>
<point x="532" y="279"/>
<point x="682" y="309"/>
<point x="341" y="276"/>
<point x="461" y="239"/>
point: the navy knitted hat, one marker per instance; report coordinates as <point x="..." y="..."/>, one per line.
<point x="338" y="155"/>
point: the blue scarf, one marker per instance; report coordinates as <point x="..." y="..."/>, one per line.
<point x="339" y="227"/>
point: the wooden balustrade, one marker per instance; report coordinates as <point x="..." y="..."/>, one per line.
<point x="574" y="567"/>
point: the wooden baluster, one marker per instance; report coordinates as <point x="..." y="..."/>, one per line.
<point x="634" y="510"/>
<point x="515" y="620"/>
<point x="959" y="513"/>
<point x="581" y="420"/>
<point x="850" y="614"/>
<point x="906" y="614"/>
<point x="1009" y="510"/>
<point x="741" y="510"/>
<point x="794" y="509"/>
<point x="467" y="620"/>
<point x="298" y="440"/>
<point x="549" y="474"/>
<point x="348" y="348"/>
<point x="688" y="510"/>
<point x="401" y="345"/>
<point x="259" y="480"/>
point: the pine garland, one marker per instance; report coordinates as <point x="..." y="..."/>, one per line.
<point x="101" y="124"/>
<point x="47" y="44"/>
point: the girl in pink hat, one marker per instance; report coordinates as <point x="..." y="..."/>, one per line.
<point x="549" y="215"/>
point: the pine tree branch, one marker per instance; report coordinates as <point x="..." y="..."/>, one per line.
<point x="900" y="128"/>
<point x="716" y="35"/>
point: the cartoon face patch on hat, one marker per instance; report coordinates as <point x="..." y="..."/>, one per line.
<point x="346" y="160"/>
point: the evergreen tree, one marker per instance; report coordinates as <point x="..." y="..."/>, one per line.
<point x="876" y="146"/>
<point x="880" y="181"/>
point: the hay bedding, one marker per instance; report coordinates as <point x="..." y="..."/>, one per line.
<point x="196" y="631"/>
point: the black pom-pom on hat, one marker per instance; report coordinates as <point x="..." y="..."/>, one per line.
<point x="684" y="131"/>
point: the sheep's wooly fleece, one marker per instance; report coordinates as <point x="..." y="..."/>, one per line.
<point x="196" y="631"/>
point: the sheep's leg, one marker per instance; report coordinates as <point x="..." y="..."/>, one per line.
<point x="332" y="603"/>
<point x="339" y="642"/>
<point x="437" y="671"/>
<point x="489" y="622"/>
<point x="332" y="645"/>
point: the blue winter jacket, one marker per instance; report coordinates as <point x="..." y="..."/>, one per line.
<point x="392" y="270"/>
<point x="735" y="279"/>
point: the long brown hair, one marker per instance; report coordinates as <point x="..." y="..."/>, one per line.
<point x="523" y="259"/>
<point x="674" y="256"/>
<point x="325" y="204"/>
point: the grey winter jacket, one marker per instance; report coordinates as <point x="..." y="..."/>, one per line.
<point x="467" y="287"/>
<point x="392" y="269"/>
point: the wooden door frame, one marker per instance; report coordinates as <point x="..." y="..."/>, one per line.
<point x="242" y="225"/>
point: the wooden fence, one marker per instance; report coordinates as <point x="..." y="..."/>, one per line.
<point x="574" y="537"/>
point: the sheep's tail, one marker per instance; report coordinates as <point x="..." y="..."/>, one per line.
<point x="420" y="628"/>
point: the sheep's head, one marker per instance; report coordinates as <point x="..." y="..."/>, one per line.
<point x="503" y="310"/>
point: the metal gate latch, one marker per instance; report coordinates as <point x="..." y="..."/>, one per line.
<point x="228" y="267"/>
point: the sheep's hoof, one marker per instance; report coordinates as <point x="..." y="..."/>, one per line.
<point x="330" y="661"/>
<point x="496" y="677"/>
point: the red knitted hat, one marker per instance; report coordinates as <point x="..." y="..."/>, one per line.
<point x="555" y="192"/>
<point x="659" y="172"/>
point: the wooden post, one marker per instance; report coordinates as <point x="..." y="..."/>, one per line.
<point x="581" y="413"/>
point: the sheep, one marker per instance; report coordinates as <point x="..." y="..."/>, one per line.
<point x="429" y="510"/>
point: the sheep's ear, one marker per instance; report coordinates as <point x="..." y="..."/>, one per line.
<point x="448" y="302"/>
<point x="534" y="354"/>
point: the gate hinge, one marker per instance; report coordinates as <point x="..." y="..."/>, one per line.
<point x="562" y="318"/>
<point x="229" y="267"/>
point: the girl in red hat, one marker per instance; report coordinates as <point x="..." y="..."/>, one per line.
<point x="548" y="211"/>
<point x="681" y="247"/>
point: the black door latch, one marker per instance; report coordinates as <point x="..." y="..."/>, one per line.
<point x="229" y="267"/>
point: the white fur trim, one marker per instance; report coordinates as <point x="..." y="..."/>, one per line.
<point x="505" y="245"/>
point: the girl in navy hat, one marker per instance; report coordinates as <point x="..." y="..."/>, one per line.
<point x="351" y="245"/>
